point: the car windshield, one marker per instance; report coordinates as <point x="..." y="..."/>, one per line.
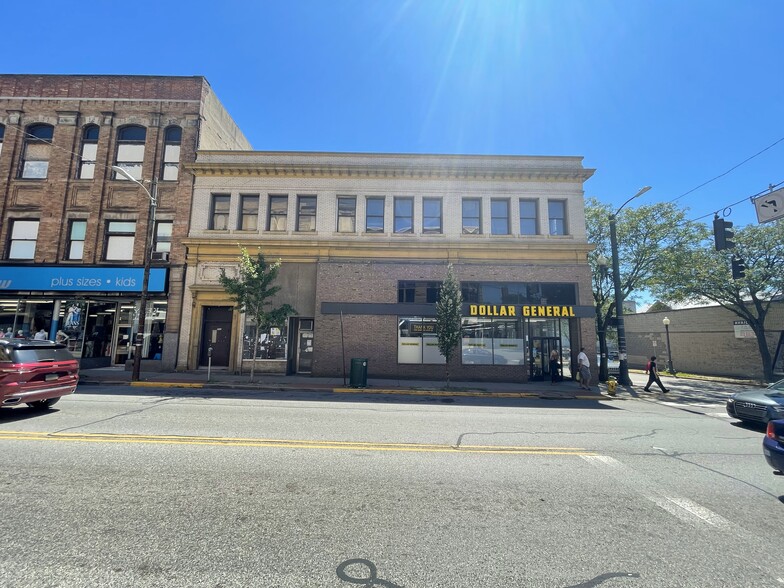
<point x="37" y="354"/>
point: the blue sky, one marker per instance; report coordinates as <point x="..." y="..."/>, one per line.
<point x="667" y="93"/>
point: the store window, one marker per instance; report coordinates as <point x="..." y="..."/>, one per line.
<point x="492" y="342"/>
<point x="374" y="215"/>
<point x="519" y="293"/>
<point x="418" y="292"/>
<point x="431" y="216"/>
<point x="24" y="236"/>
<point x="347" y="214"/>
<point x="219" y="214"/>
<point x="120" y="236"/>
<point x="89" y="152"/>
<point x="272" y="341"/>
<point x="76" y="236"/>
<point x="404" y="215"/>
<point x="249" y="212"/>
<point x="472" y="216"/>
<point x="37" y="151"/>
<point x="130" y="151"/>
<point x="499" y="217"/>
<point x="557" y="215"/>
<point x="417" y="341"/>
<point x="163" y="236"/>
<point x="171" y="154"/>
<point x="278" y="213"/>
<point x="306" y="214"/>
<point x="529" y="220"/>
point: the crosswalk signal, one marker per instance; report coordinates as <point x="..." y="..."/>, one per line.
<point x="722" y="234"/>
<point x="738" y="268"/>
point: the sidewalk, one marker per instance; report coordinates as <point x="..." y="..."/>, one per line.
<point x="221" y="379"/>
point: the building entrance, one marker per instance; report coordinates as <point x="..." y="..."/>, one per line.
<point x="216" y="334"/>
<point x="541" y="347"/>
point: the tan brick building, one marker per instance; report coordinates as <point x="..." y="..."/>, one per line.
<point x="365" y="240"/>
<point x="73" y="234"/>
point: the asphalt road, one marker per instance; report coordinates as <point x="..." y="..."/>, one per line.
<point x="183" y="489"/>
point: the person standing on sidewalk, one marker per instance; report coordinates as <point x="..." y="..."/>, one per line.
<point x="553" y="366"/>
<point x="584" y="366"/>
<point x="653" y="376"/>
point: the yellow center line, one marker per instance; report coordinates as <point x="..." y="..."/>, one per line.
<point x="286" y="443"/>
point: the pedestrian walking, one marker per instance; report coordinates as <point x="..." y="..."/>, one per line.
<point x="584" y="366"/>
<point x="554" y="357"/>
<point x="653" y="376"/>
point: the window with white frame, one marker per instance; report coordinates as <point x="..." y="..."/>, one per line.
<point x="77" y="231"/>
<point x="163" y="236"/>
<point x="529" y="220"/>
<point x="120" y="236"/>
<point x="431" y="216"/>
<point x="347" y="214"/>
<point x="219" y="213"/>
<point x="404" y="215"/>
<point x="130" y="151"/>
<point x="89" y="152"/>
<point x="37" y="151"/>
<point x="556" y="210"/>
<point x="172" y="138"/>
<point x="249" y="212"/>
<point x="278" y="213"/>
<point x="499" y="216"/>
<point x="472" y="216"/>
<point x="306" y="214"/>
<point x="24" y="236"/>
<point x="374" y="214"/>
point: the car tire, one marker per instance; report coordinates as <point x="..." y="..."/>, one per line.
<point x="43" y="404"/>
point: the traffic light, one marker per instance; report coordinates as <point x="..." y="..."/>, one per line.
<point x="722" y="234"/>
<point x="738" y="268"/>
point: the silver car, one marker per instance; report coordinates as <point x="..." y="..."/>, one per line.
<point x="758" y="406"/>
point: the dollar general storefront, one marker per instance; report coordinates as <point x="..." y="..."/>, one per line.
<point x="365" y="241"/>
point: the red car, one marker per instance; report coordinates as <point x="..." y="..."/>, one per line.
<point x="36" y="373"/>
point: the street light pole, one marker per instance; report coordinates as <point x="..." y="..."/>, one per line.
<point x="623" y="361"/>
<point x="153" y="196"/>
<point x="670" y="369"/>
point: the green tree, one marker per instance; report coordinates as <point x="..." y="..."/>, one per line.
<point x="449" y="317"/>
<point x="705" y="275"/>
<point x="651" y="239"/>
<point x="252" y="291"/>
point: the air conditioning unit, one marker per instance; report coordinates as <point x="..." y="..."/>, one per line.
<point x="160" y="256"/>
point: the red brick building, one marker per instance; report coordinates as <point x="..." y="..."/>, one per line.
<point x="74" y="232"/>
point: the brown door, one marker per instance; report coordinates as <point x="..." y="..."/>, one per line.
<point x="216" y="334"/>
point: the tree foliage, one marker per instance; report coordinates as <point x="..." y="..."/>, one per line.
<point x="705" y="275"/>
<point x="252" y="292"/>
<point x="651" y="239"/>
<point x="449" y="317"/>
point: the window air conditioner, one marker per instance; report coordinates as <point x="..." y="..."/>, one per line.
<point x="160" y="256"/>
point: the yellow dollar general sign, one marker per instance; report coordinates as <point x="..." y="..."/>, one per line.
<point x="529" y="311"/>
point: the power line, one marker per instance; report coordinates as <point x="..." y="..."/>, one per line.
<point x="716" y="212"/>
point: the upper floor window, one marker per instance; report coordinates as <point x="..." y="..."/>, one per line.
<point x="219" y="215"/>
<point x="431" y="215"/>
<point x="120" y="236"/>
<point x="76" y="236"/>
<point x="24" y="235"/>
<point x="347" y="214"/>
<point x="37" y="151"/>
<point x="472" y="216"/>
<point x="528" y="217"/>
<point x="2" y="134"/>
<point x="374" y="215"/>
<point x="249" y="212"/>
<point x="499" y="217"/>
<point x="130" y="151"/>
<point x="306" y="213"/>
<point x="171" y="154"/>
<point x="163" y="236"/>
<point x="556" y="210"/>
<point x="89" y="152"/>
<point x="278" y="213"/>
<point x="404" y="215"/>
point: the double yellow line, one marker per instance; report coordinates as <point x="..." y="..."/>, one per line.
<point x="286" y="443"/>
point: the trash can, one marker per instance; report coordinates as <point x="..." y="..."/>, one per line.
<point x="358" y="377"/>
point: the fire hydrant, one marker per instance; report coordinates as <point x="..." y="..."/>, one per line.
<point x="612" y="383"/>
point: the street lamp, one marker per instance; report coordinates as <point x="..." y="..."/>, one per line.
<point x="137" y="354"/>
<point x="670" y="369"/>
<point x="623" y="362"/>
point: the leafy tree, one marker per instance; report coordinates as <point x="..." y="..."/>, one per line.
<point x="252" y="291"/>
<point x="705" y="275"/>
<point x="449" y="317"/>
<point x="651" y="239"/>
<point x="659" y="306"/>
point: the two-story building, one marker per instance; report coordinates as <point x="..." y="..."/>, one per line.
<point x="73" y="238"/>
<point x="365" y="241"/>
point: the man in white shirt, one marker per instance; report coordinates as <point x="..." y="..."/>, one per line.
<point x="585" y="369"/>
